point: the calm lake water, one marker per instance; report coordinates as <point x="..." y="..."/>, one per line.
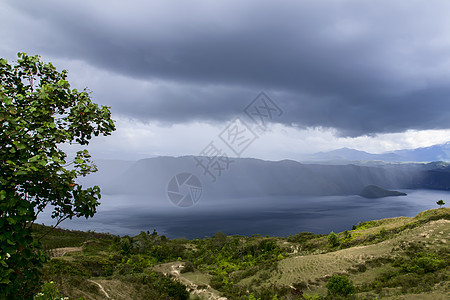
<point x="273" y="216"/>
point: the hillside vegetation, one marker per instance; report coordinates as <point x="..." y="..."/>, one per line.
<point x="396" y="258"/>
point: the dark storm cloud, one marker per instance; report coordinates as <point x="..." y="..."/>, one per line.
<point x="361" y="67"/>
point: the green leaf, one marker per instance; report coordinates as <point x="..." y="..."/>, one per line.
<point x="34" y="158"/>
<point x="21" y="172"/>
<point x="22" y="211"/>
<point x="5" y="281"/>
<point x="21" y="146"/>
<point x="4" y="264"/>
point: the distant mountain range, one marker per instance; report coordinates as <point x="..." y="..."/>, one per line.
<point x="247" y="177"/>
<point x="427" y="154"/>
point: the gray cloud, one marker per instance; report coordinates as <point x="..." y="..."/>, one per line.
<point x="358" y="66"/>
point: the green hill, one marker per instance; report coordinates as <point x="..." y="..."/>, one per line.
<point x="397" y="258"/>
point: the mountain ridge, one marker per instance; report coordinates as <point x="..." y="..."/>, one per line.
<point x="439" y="152"/>
<point x="247" y="177"/>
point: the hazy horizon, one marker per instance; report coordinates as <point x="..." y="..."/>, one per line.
<point x="310" y="156"/>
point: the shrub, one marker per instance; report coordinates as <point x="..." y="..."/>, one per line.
<point x="49" y="292"/>
<point x="340" y="285"/>
<point x="333" y="239"/>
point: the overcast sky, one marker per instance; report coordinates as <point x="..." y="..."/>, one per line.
<point x="371" y="75"/>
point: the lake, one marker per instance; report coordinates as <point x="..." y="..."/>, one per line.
<point x="273" y="216"/>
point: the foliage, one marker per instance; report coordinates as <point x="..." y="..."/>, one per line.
<point x="158" y="247"/>
<point x="235" y="259"/>
<point x="340" y="285"/>
<point x="365" y="225"/>
<point x="419" y="260"/>
<point x="311" y="297"/>
<point x="252" y="297"/>
<point x="419" y="270"/>
<point x="49" y="292"/>
<point x="440" y="203"/>
<point x="333" y="239"/>
<point x="38" y="113"/>
<point x="97" y="260"/>
<point x="160" y="286"/>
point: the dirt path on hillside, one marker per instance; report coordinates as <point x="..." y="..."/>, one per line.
<point x="194" y="288"/>
<point x="63" y="251"/>
<point x="101" y="288"/>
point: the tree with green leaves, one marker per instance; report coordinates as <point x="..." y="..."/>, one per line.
<point x="333" y="239"/>
<point x="39" y="112"/>
<point x="340" y="285"/>
<point x="440" y="203"/>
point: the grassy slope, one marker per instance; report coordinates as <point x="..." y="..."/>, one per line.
<point x="314" y="268"/>
<point x="431" y="229"/>
<point x="366" y="254"/>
